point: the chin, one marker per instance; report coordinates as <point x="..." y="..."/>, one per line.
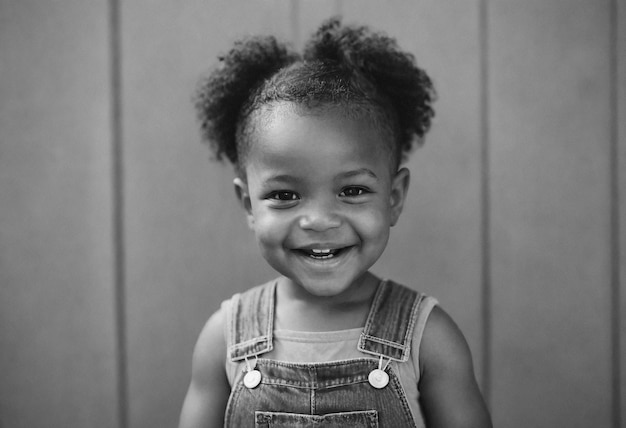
<point x="325" y="288"/>
<point x="324" y="292"/>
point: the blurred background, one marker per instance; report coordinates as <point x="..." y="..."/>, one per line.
<point x="119" y="236"/>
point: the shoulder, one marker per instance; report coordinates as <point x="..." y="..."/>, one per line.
<point x="443" y="344"/>
<point x="215" y="334"/>
<point x="266" y="286"/>
<point x="449" y="393"/>
<point x="210" y="350"/>
<point x="250" y="295"/>
<point x="251" y="302"/>
<point x="403" y="292"/>
<point x="208" y="391"/>
<point x="394" y="292"/>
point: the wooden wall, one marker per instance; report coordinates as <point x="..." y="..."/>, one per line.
<point x="57" y="325"/>
<point x="119" y="237"/>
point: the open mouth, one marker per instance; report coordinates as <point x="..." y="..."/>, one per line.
<point x="323" y="254"/>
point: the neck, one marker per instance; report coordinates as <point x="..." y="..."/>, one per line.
<point x="296" y="309"/>
<point x="360" y="292"/>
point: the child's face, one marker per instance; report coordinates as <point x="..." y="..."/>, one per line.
<point x="321" y="195"/>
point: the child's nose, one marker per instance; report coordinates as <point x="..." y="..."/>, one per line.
<point x="319" y="218"/>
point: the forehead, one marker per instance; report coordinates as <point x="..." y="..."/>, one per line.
<point x="286" y="132"/>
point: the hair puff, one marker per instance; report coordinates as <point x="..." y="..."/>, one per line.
<point x="220" y="96"/>
<point x="393" y="73"/>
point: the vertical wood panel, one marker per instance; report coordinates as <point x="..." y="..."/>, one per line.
<point x="57" y="345"/>
<point x="436" y="245"/>
<point x="550" y="92"/>
<point x="188" y="246"/>
<point x="620" y="259"/>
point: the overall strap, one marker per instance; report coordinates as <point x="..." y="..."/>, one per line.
<point x="389" y="327"/>
<point x="251" y="322"/>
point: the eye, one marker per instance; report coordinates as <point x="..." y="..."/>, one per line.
<point x="283" y="195"/>
<point x="353" y="191"/>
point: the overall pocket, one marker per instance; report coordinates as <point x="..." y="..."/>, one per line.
<point x="360" y="419"/>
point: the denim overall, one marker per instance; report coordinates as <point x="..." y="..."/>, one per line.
<point x="363" y="392"/>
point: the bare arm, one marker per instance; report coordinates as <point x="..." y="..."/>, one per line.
<point x="208" y="392"/>
<point x="449" y="394"/>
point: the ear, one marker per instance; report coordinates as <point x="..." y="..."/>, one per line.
<point x="399" y="190"/>
<point x="241" y="190"/>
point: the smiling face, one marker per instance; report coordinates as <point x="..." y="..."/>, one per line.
<point x="321" y="193"/>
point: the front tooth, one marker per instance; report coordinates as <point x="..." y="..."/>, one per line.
<point x="320" y="251"/>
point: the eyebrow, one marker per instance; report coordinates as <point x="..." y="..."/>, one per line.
<point x="348" y="174"/>
<point x="360" y="171"/>
<point x="281" y="178"/>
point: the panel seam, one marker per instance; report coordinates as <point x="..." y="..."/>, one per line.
<point x="119" y="257"/>
<point x="485" y="184"/>
<point x="614" y="238"/>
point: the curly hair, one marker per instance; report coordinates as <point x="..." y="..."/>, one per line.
<point x="360" y="71"/>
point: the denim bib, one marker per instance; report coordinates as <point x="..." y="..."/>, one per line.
<point x="362" y="392"/>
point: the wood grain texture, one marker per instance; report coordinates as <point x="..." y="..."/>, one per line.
<point x="57" y="343"/>
<point x="549" y="122"/>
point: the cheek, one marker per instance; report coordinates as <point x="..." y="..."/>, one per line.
<point x="374" y="224"/>
<point x="269" y="228"/>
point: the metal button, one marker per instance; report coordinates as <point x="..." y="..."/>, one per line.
<point x="252" y="379"/>
<point x="378" y="378"/>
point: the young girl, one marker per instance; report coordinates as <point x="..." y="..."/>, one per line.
<point x="317" y="141"/>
